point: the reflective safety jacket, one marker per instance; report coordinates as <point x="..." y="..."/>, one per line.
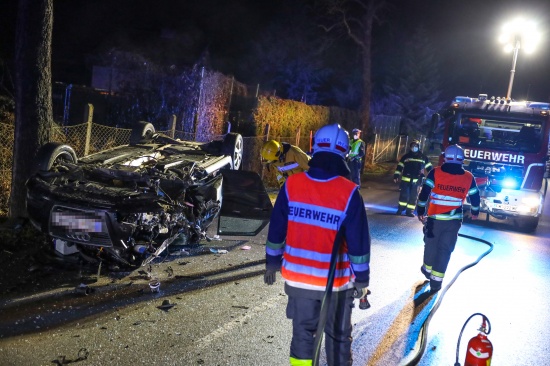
<point x="412" y="166"/>
<point x="447" y="188"/>
<point x="320" y="216"/>
<point x="356" y="150"/>
<point x="303" y="228"/>
<point x="293" y="160"/>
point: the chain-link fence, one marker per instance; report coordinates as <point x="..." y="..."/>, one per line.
<point x="385" y="147"/>
<point x="90" y="137"/>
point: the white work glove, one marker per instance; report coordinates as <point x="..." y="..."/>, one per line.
<point x="361" y="290"/>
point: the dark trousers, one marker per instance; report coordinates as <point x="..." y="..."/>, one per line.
<point x="440" y="238"/>
<point x="305" y="317"/>
<point x="408" y="193"/>
<point x="355" y="167"/>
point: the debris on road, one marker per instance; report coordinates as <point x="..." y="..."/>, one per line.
<point x="154" y="285"/>
<point x="82" y="355"/>
<point x="180" y="252"/>
<point x="218" y="251"/>
<point x="166" y="305"/>
<point x="84" y="289"/>
<point x="169" y="271"/>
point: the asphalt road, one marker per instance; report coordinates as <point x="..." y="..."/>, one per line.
<point x="223" y="314"/>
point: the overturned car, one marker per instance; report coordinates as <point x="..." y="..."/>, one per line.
<point x="126" y="205"/>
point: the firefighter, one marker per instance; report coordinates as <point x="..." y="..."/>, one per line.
<point x="446" y="187"/>
<point x="310" y="208"/>
<point x="286" y="158"/>
<point x="411" y="169"/>
<point x="356" y="156"/>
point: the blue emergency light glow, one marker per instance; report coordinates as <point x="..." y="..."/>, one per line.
<point x="509" y="183"/>
<point x="462" y="100"/>
<point x="538" y="105"/>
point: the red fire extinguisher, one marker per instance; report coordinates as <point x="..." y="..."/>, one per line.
<point x="480" y="349"/>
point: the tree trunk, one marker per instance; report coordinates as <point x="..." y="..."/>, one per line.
<point x="368" y="20"/>
<point x="33" y="93"/>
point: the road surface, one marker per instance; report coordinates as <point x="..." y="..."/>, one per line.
<point x="223" y="314"/>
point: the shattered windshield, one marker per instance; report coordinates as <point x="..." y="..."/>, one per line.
<point x="497" y="134"/>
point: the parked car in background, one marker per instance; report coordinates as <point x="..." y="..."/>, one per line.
<point x="126" y="205"/>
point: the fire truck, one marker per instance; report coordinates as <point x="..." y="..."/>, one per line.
<point x="506" y="149"/>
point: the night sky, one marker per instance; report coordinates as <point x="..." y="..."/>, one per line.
<point x="464" y="34"/>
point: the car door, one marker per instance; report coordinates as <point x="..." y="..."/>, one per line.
<point x="246" y="207"/>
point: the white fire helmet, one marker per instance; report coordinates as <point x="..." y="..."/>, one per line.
<point x="331" y="138"/>
<point x="454" y="154"/>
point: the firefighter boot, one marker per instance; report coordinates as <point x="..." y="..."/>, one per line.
<point x="400" y="210"/>
<point x="409" y="213"/>
<point x="435" y="286"/>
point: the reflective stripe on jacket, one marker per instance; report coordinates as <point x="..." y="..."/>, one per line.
<point x="306" y="260"/>
<point x="448" y="192"/>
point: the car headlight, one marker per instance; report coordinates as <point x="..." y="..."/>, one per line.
<point x="530" y="201"/>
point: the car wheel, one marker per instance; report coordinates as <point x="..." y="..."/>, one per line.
<point x="142" y="131"/>
<point x="53" y="153"/>
<point x="233" y="146"/>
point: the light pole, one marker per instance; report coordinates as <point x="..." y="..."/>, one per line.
<point x="517" y="45"/>
<point x="514" y="35"/>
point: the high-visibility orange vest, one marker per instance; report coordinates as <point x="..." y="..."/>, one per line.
<point x="316" y="211"/>
<point x="449" y="191"/>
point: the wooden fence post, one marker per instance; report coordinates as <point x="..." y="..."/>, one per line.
<point x="173" y="126"/>
<point x="266" y="138"/>
<point x="374" y="147"/>
<point x="266" y="132"/>
<point x="398" y="153"/>
<point x="88" y="117"/>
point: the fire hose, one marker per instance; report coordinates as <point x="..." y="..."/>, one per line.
<point x="365" y="305"/>
<point x="424" y="326"/>
<point x="326" y="299"/>
<point x="363" y="302"/>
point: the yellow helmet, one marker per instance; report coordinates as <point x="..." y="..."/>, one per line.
<point x="271" y="150"/>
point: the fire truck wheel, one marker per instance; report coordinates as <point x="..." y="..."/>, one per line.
<point x="526" y="224"/>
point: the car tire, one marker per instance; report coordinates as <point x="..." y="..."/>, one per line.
<point x="233" y="146"/>
<point x="52" y="153"/>
<point x="142" y="131"/>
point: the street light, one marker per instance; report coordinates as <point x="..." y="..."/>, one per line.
<point x="516" y="34"/>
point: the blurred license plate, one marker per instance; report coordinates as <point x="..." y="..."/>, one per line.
<point x="504" y="207"/>
<point x="78" y="221"/>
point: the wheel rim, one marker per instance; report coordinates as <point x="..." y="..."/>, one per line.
<point x="238" y="154"/>
<point x="63" y="157"/>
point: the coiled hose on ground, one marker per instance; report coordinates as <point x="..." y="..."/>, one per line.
<point x="424" y="327"/>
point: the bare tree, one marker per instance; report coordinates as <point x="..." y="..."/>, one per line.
<point x="33" y="93"/>
<point x="414" y="88"/>
<point x="355" y="19"/>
